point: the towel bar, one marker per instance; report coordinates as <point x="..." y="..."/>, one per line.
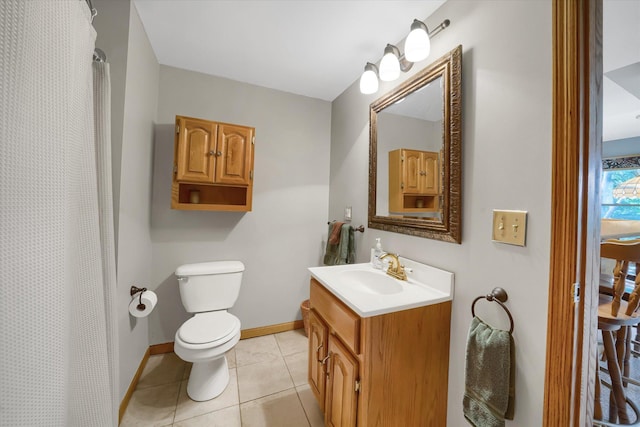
<point x="498" y="295"/>
<point x="360" y="229"/>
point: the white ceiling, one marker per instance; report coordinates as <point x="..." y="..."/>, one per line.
<point x="317" y="48"/>
<point x="621" y="48"/>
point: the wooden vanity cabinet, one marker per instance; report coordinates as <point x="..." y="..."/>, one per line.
<point x="215" y="160"/>
<point x="414" y="184"/>
<point x="385" y="370"/>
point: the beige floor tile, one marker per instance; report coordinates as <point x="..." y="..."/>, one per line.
<point x="162" y="369"/>
<point x="231" y="358"/>
<point x="310" y="405"/>
<point x="292" y="341"/>
<point x="152" y="406"/>
<point x="188" y="408"/>
<point x="187" y="370"/>
<point x="298" y="365"/>
<point x="228" y="417"/>
<point x="281" y="409"/>
<point x="261" y="379"/>
<point x="256" y="350"/>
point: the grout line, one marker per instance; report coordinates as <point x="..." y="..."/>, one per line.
<point x="303" y="408"/>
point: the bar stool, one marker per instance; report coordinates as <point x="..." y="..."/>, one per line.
<point x="617" y="315"/>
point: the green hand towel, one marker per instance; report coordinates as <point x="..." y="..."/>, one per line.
<point x="344" y="251"/>
<point x="489" y="376"/>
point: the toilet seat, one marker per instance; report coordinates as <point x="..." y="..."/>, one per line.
<point x="212" y="328"/>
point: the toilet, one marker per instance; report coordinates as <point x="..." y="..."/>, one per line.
<point x="208" y="289"/>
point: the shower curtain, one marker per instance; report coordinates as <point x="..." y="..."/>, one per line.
<point x="57" y="330"/>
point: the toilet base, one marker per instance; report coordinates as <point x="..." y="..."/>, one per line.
<point x="208" y="379"/>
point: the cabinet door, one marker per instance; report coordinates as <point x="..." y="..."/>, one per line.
<point x="317" y="352"/>
<point x="234" y="164"/>
<point x="411" y="168"/>
<point x="430" y="173"/>
<point x="195" y="142"/>
<point x="342" y="397"/>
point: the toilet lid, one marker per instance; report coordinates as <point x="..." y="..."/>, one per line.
<point x="207" y="327"/>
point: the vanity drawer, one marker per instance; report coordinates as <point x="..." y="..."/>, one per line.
<point x="341" y="320"/>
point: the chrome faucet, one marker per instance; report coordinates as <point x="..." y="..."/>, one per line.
<point x="395" y="270"/>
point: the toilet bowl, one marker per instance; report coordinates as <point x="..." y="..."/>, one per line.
<point x="208" y="289"/>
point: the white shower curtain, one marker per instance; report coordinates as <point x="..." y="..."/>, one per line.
<point x="57" y="334"/>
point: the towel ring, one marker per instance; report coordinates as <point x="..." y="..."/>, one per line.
<point x="498" y="295"/>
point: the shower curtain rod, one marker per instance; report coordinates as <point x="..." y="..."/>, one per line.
<point x="98" y="54"/>
<point x="93" y="10"/>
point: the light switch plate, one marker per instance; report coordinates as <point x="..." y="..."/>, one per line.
<point x="347" y="213"/>
<point x="510" y="227"/>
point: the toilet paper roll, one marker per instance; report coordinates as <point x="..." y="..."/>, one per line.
<point x="149" y="299"/>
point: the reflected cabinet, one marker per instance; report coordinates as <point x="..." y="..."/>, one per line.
<point x="413" y="181"/>
<point x="213" y="166"/>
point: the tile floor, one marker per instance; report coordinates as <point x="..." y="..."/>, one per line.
<point x="267" y="388"/>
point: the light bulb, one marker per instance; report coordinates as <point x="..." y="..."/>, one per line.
<point x="389" y="65"/>
<point x="417" y="46"/>
<point x="369" y="79"/>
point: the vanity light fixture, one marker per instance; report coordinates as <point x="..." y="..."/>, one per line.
<point x="369" y="79"/>
<point x="390" y="64"/>
<point x="417" y="47"/>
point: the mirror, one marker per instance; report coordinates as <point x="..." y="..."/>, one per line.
<point x="415" y="152"/>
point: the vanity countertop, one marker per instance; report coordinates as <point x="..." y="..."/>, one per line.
<point x="371" y="292"/>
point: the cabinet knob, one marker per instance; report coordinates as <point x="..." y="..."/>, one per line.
<point x="215" y="153"/>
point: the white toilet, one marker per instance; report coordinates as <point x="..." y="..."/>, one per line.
<point x="208" y="289"/>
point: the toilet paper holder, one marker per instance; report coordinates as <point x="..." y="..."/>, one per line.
<point x="134" y="290"/>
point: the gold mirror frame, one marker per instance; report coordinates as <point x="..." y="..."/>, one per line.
<point x="448" y="228"/>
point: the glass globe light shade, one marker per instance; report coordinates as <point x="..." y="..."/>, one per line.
<point x="417" y="46"/>
<point x="389" y="65"/>
<point x="369" y="79"/>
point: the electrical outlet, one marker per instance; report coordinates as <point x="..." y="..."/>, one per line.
<point x="510" y="227"/>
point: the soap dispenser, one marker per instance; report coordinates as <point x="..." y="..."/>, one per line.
<point x="376" y="262"/>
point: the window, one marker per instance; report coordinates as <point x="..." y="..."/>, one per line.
<point x="616" y="172"/>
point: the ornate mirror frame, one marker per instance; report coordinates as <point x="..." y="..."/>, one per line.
<point x="448" y="227"/>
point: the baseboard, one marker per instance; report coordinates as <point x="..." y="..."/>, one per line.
<point x="271" y="329"/>
<point x="161" y="348"/>
<point x="134" y="383"/>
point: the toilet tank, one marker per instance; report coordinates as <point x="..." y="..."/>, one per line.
<point x="209" y="286"/>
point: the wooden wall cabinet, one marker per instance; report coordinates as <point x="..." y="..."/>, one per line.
<point x="414" y="184"/>
<point x="385" y="370"/>
<point x="213" y="166"/>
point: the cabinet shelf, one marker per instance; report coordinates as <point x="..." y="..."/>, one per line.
<point x="211" y="197"/>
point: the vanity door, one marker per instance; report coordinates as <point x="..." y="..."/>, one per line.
<point x="343" y="386"/>
<point x="318" y="333"/>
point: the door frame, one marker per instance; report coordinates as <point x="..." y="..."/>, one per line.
<point x="575" y="217"/>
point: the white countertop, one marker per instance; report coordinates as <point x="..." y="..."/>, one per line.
<point x="425" y="285"/>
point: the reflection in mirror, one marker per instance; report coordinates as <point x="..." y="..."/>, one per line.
<point x="414" y="154"/>
<point x="410" y="135"/>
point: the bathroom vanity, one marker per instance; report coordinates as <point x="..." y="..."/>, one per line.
<point x="378" y="346"/>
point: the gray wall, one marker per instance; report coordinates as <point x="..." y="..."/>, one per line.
<point x="134" y="66"/>
<point x="621" y="147"/>
<point x="112" y="27"/>
<point x="281" y="236"/>
<point x="507" y="99"/>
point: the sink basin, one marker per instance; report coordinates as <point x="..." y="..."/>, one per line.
<point x="371" y="282"/>
<point x="370" y="292"/>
